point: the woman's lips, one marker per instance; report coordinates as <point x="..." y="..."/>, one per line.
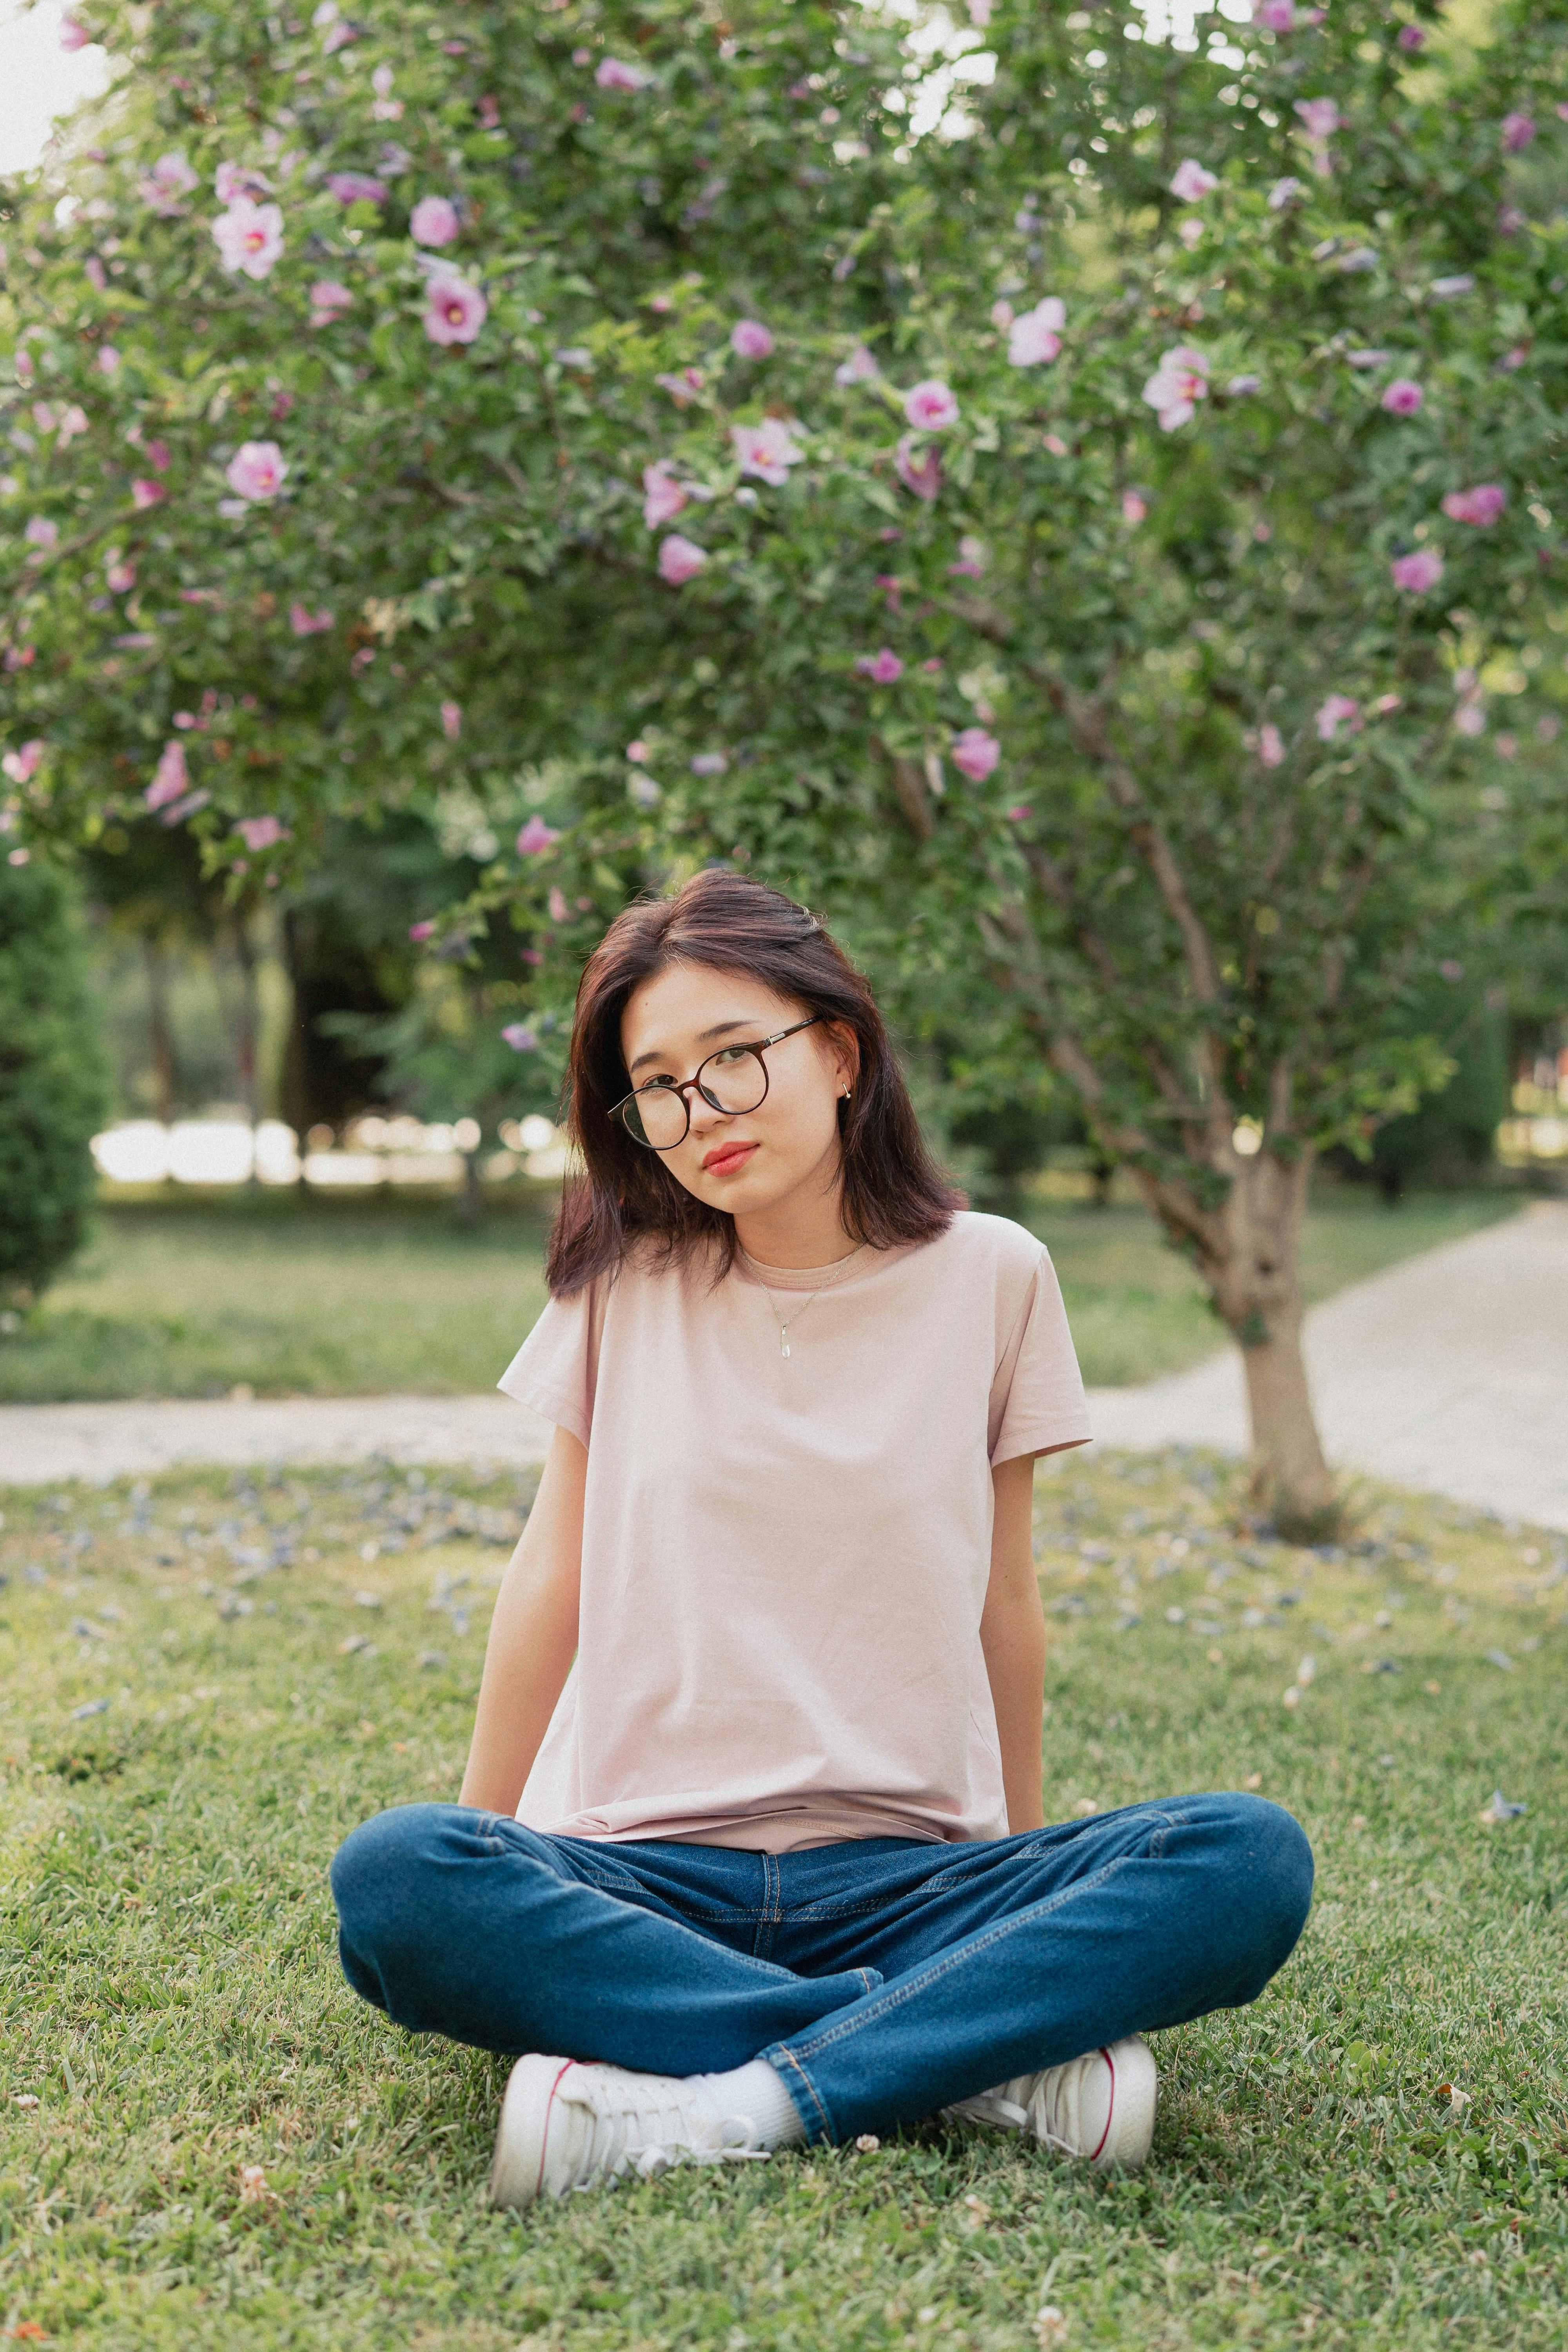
<point x="726" y="1162"/>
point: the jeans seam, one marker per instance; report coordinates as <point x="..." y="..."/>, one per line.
<point x="811" y="2092"/>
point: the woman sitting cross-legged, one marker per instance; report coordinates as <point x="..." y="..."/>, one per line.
<point x="767" y="1863"/>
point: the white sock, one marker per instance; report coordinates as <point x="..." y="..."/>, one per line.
<point x="756" y="2092"/>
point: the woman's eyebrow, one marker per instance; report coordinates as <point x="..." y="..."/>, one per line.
<point x="657" y="1054"/>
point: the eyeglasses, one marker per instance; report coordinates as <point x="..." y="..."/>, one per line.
<point x="732" y="1081"/>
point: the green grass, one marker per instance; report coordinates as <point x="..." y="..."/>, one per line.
<point x="334" y="1298"/>
<point x="169" y="1993"/>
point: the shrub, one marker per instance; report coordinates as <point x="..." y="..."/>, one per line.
<point x="52" y="1080"/>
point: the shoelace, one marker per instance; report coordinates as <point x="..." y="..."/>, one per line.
<point x="617" y="2124"/>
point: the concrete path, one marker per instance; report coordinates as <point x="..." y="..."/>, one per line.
<point x="1448" y="1374"/>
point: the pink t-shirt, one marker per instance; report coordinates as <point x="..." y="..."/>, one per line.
<point x="784" y="1558"/>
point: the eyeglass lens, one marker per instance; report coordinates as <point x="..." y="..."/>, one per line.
<point x="732" y="1080"/>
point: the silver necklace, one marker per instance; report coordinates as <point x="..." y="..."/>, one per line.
<point x="783" y="1322"/>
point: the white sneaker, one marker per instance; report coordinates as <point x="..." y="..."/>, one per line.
<point x="1099" y="2106"/>
<point x="565" y="2125"/>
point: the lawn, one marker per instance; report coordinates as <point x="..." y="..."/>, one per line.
<point x="227" y="2149"/>
<point x="333" y="1298"/>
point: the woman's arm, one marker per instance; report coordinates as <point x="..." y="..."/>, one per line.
<point x="532" y="1636"/>
<point x="1012" y="1637"/>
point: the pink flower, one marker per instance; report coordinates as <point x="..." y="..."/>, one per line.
<point x="1417" y="572"/>
<point x="1483" y="505"/>
<point x="1470" y="718"/>
<point x="170" y="178"/>
<point x="356" y="187"/>
<point x="108" y="361"/>
<point x="329" y="299"/>
<point x="232" y="180"/>
<point x="680" y="559"/>
<point x="250" y="237"/>
<point x="765" y="451"/>
<point x="1404" y="397"/>
<point x="663" y="496"/>
<point x="519" y="1036"/>
<point x="73" y="35"/>
<point x="1016" y="814"/>
<point x="120" y="577"/>
<point x="420" y="932"/>
<point x="682" y="386"/>
<point x="169" y="782"/>
<point x="881" y="668"/>
<point x="710" y="763"/>
<point x="451" y="720"/>
<point x="41" y="532"/>
<point x="1518" y="130"/>
<point x="158" y="455"/>
<point x="260" y="833"/>
<point x="972" y="559"/>
<point x="1036" y="337"/>
<point x="1180" y="381"/>
<point x="1336" y="712"/>
<point x="975" y="753"/>
<point x="146" y="493"/>
<point x="1274" y="15"/>
<point x="256" y="470"/>
<point x="930" y="405"/>
<point x="23" y="765"/>
<point x="305" y="624"/>
<point x="95" y="273"/>
<point x="1134" y="506"/>
<point x="924" y="477"/>
<point x="1192" y="183"/>
<point x="434" y="221"/>
<point x="1411" y="37"/>
<point x="560" y="912"/>
<point x="73" y="420"/>
<point x="636" y="748"/>
<point x="860" y="367"/>
<point x="749" y="340"/>
<point x="1284" y="192"/>
<point x="1270" y="746"/>
<point x="454" y="311"/>
<point x="536" y="835"/>
<point x="1320" y="118"/>
<point x="615" y="73"/>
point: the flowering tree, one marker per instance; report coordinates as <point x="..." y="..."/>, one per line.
<point x="1085" y="546"/>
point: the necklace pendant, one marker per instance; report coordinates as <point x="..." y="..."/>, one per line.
<point x="783" y="1345"/>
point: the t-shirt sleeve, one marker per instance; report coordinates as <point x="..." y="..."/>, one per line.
<point x="555" y="1370"/>
<point x="1037" y="1398"/>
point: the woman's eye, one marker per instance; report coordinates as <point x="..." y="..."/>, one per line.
<point x="727" y="1055"/>
<point x="649" y="1084"/>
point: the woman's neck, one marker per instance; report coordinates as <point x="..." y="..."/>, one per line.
<point x="796" y="1234"/>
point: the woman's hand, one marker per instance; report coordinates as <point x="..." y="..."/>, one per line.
<point x="532" y="1636"/>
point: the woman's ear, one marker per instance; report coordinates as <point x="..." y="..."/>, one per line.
<point x="846" y="1046"/>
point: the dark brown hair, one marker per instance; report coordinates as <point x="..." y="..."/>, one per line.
<point x="893" y="1190"/>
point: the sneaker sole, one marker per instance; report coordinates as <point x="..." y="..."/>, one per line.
<point x="1130" y="2126"/>
<point x="517" y="2173"/>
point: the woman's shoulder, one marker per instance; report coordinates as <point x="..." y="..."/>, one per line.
<point x="979" y="1240"/>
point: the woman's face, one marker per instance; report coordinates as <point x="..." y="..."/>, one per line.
<point x="746" y="1164"/>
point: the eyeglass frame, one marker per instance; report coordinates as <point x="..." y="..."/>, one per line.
<point x="656" y="1085"/>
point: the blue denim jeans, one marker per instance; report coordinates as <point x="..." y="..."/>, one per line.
<point x="883" y="1977"/>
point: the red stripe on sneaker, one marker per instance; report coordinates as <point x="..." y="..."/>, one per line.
<point x="1111" y="2110"/>
<point x="544" y="2135"/>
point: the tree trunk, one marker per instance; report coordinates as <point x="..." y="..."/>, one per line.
<point x="471" y="1198"/>
<point x="247" y="1026"/>
<point x="1256" y="1277"/>
<point x="1249" y="1250"/>
<point x="161" y="1030"/>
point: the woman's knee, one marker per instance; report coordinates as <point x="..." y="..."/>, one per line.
<point x="379" y="1873"/>
<point x="1269" y="1864"/>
